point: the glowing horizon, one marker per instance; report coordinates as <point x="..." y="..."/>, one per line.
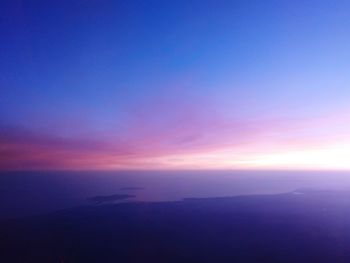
<point x="175" y="86"/>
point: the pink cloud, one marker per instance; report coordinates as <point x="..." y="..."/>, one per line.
<point x="165" y="127"/>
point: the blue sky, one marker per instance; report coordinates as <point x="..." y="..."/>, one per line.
<point x="92" y="69"/>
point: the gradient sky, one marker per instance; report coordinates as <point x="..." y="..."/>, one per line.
<point x="250" y="84"/>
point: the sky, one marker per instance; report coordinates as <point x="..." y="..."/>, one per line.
<point x="114" y="85"/>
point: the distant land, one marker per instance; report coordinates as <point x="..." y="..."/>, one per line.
<point x="109" y="198"/>
<point x="132" y="188"/>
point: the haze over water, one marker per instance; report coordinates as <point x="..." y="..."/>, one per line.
<point x="28" y="193"/>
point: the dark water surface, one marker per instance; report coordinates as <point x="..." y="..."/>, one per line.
<point x="301" y="226"/>
<point x="28" y="193"/>
<point x="229" y="216"/>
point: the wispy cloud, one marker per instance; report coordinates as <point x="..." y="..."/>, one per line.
<point x="169" y="134"/>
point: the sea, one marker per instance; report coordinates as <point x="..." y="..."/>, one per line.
<point x="33" y="193"/>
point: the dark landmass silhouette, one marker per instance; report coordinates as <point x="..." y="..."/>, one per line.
<point x="131" y="188"/>
<point x="310" y="227"/>
<point x="109" y="198"/>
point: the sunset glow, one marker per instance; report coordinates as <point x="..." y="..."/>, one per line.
<point x="159" y="87"/>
